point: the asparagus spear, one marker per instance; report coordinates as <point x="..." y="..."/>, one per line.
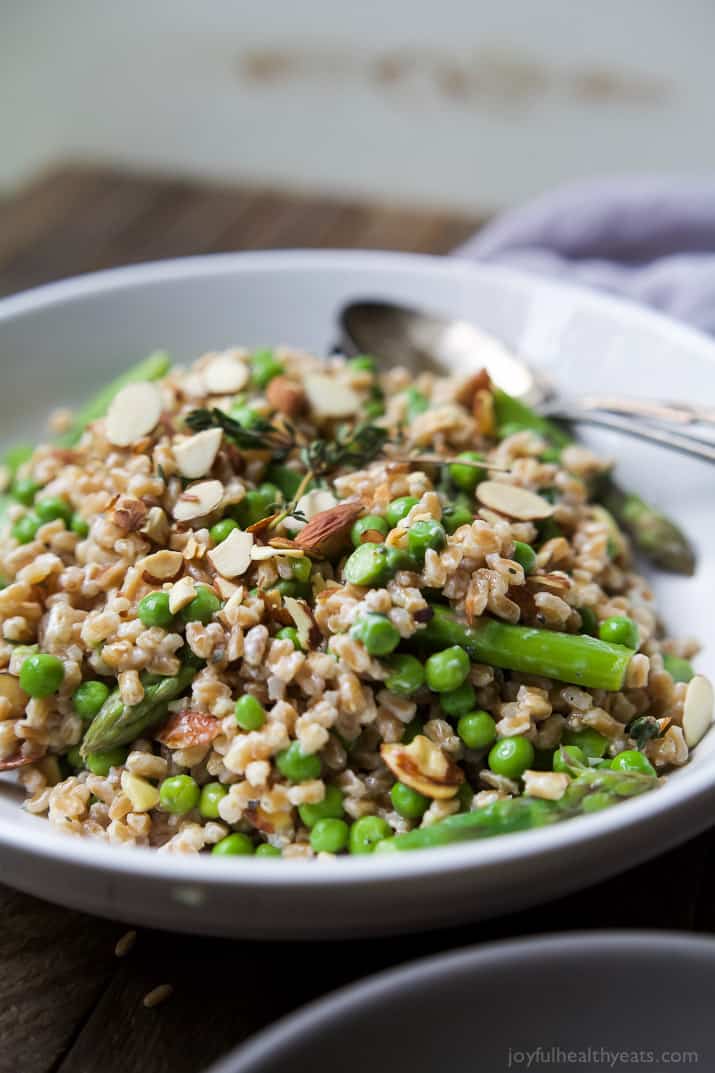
<point x="654" y="534"/>
<point x="590" y="790"/>
<point x="575" y="658"/>
<point x="153" y="367"/>
<point x="117" y="723"/>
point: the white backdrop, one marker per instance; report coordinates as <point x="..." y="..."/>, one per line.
<point x="466" y="103"/>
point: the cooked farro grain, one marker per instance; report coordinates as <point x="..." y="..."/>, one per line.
<point x="126" y="640"/>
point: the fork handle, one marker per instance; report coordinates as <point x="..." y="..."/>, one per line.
<point x="639" y="429"/>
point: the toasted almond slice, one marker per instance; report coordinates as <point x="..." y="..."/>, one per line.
<point x="142" y="795"/>
<point x="259" y="552"/>
<point x="330" y="396"/>
<point x="181" y="594"/>
<point x="423" y="766"/>
<point x="195" y="454"/>
<point x="162" y="565"/>
<point x="233" y="555"/>
<point x="548" y="785"/>
<point x="286" y="396"/>
<point x="225" y="374"/>
<point x="226" y="589"/>
<point x="310" y="504"/>
<point x="186" y="728"/>
<point x="298" y="611"/>
<point x="133" y="413"/>
<point x="513" y="501"/>
<point x="198" y="500"/>
<point x="698" y="709"/>
<point x="16" y="697"/>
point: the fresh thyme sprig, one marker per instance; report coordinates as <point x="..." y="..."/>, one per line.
<point x="353" y="445"/>
<point x="261" y="436"/>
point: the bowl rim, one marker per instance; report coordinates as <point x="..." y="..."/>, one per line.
<point x="278" y="1039"/>
<point x="693" y="784"/>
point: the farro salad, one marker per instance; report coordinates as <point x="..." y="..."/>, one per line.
<point x="281" y="605"/>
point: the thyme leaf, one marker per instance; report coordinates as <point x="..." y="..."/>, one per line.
<point x="261" y="436"/>
<point x="353" y="446"/>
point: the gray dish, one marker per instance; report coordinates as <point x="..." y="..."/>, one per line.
<point x="644" y="994"/>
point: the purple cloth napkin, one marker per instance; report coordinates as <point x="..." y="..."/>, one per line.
<point x="648" y="239"/>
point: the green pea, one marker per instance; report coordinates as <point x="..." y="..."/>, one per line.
<point x="25" y="529"/>
<point x="302" y="569"/>
<point x="459" y="701"/>
<point x="373" y="408"/>
<point x="220" y="530"/>
<point x="211" y="794"/>
<point x="417" y="403"/>
<point x="296" y="765"/>
<point x="408" y="802"/>
<point x="371" y="523"/>
<point x="368" y="565"/>
<point x="287" y="587"/>
<point x="590" y="742"/>
<point x="267" y="850"/>
<point x="79" y="526"/>
<point x="446" y="670"/>
<point x="456" y="515"/>
<point x="363" y="363"/>
<point x="423" y="535"/>
<point x="399" y="509"/>
<point x="41" y="674"/>
<point x="589" y="622"/>
<point x="235" y="845"/>
<point x="406" y="675"/>
<point x="287" y="480"/>
<point x="179" y="794"/>
<point x="567" y="756"/>
<point x="88" y="698"/>
<point x="254" y="506"/>
<point x="51" y="508"/>
<point x="366" y="832"/>
<point x="550" y="454"/>
<point x="102" y="763"/>
<point x="632" y="760"/>
<point x="511" y="757"/>
<point x="330" y="808"/>
<point x="620" y="630"/>
<point x="467" y="477"/>
<point x="25" y="489"/>
<point x="250" y="713"/>
<point x="202" y="607"/>
<point x="264" y="367"/>
<point x="377" y="633"/>
<point x="153" y="610"/>
<point x="680" y="670"/>
<point x="74" y="758"/>
<point x="477" y="729"/>
<point x="413" y="728"/>
<point x="290" y="633"/>
<point x="525" y="555"/>
<point x="329" y="836"/>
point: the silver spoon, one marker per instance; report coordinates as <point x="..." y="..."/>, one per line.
<point x="424" y="342"/>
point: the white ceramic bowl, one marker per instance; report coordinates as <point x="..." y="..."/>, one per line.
<point x="59" y="343"/>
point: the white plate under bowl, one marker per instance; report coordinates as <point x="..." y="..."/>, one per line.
<point x="59" y="343"/>
<point x="592" y="1002"/>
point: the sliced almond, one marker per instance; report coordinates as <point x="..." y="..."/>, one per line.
<point x="286" y="396"/>
<point x="327" y="531"/>
<point x="259" y="552"/>
<point x="310" y="504"/>
<point x="225" y="374"/>
<point x="232" y="557"/>
<point x="16" y="697"/>
<point x="698" y="709"/>
<point x="195" y="455"/>
<point x="226" y="589"/>
<point x="187" y="728"/>
<point x="330" y="396"/>
<point x="163" y="565"/>
<point x="129" y="514"/>
<point x="548" y="785"/>
<point x="156" y="526"/>
<point x="423" y="766"/>
<point x="298" y="611"/>
<point x="142" y="795"/>
<point x="198" y="500"/>
<point x="133" y="413"/>
<point x="513" y="501"/>
<point x="181" y="594"/>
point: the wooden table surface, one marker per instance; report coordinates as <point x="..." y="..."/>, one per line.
<point x="67" y="1004"/>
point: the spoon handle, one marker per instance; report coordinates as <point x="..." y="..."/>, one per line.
<point x="639" y="429"/>
<point x="678" y="413"/>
